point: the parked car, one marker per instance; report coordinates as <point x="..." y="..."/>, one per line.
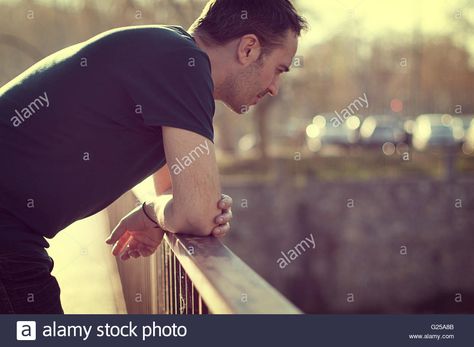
<point x="323" y="132"/>
<point x="461" y="125"/>
<point x="377" y="130"/>
<point x="434" y="130"/>
<point x="468" y="138"/>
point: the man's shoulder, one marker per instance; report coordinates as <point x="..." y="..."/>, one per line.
<point x="149" y="37"/>
<point x="135" y="46"/>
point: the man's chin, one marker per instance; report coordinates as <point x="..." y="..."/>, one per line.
<point x="240" y="109"/>
<point x="243" y="109"/>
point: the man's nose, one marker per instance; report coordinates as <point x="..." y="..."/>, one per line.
<point x="273" y="89"/>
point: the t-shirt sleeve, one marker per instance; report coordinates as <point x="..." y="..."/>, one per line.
<point x="174" y="89"/>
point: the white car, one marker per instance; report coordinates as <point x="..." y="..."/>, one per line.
<point x="433" y="130"/>
<point x="468" y="138"/>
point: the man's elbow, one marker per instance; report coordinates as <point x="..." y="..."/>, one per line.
<point x="197" y="225"/>
<point x="192" y="220"/>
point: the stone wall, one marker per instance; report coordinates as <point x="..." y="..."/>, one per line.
<point x="381" y="247"/>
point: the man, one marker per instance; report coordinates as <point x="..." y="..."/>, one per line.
<point x="86" y="124"/>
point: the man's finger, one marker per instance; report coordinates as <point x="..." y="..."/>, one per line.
<point x="125" y="256"/>
<point x="134" y="244"/>
<point x="122" y="243"/>
<point x="146" y="252"/>
<point x="225" y="202"/>
<point x="221" y="230"/>
<point x="224" y="217"/>
<point x="134" y="254"/>
<point x="117" y="233"/>
<point x="152" y="242"/>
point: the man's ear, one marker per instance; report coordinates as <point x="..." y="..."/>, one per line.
<point x="248" y="49"/>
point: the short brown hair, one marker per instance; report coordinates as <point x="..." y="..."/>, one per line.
<point x="224" y="20"/>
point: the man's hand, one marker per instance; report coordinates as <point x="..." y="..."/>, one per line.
<point x="135" y="235"/>
<point x="225" y="204"/>
<point x="162" y="182"/>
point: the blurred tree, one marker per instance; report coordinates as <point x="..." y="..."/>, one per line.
<point x="23" y="46"/>
<point x="438" y="74"/>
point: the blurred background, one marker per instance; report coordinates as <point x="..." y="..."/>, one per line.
<point x="369" y="147"/>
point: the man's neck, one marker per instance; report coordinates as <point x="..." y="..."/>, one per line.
<point x="219" y="63"/>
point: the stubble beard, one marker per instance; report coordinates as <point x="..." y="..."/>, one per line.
<point x="234" y="86"/>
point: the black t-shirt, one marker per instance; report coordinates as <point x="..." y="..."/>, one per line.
<point x="82" y="126"/>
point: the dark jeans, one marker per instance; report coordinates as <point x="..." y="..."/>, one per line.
<point x="26" y="283"/>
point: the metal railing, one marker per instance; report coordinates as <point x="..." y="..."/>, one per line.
<point x="192" y="275"/>
<point x="178" y="294"/>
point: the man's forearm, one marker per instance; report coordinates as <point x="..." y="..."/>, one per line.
<point x="175" y="221"/>
<point x="160" y="204"/>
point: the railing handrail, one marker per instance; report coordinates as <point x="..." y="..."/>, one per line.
<point x="224" y="281"/>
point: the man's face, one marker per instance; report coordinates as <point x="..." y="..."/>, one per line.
<point x="250" y="84"/>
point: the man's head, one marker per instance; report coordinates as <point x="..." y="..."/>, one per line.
<point x="250" y="43"/>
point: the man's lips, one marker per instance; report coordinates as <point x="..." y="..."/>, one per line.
<point x="259" y="97"/>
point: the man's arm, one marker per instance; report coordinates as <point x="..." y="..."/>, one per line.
<point x="195" y="184"/>
<point x="192" y="207"/>
<point x="162" y="181"/>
